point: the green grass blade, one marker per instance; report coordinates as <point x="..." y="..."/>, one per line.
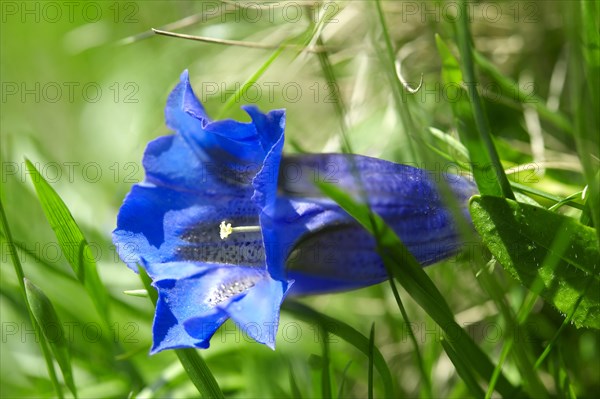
<point x="553" y="255"/>
<point x="407" y="271"/>
<point x="508" y="85"/>
<point x="487" y="169"/>
<point x="51" y="327"/>
<point x="388" y="57"/>
<point x="425" y="380"/>
<point x="235" y="97"/>
<point x="199" y="373"/>
<point x="325" y="362"/>
<point x="294" y="385"/>
<point x="21" y="278"/>
<point x="71" y="241"/>
<point x="465" y="45"/>
<point x="371" y="351"/>
<point x="348" y="334"/>
<point x="584" y="93"/>
<point x="343" y="380"/>
<point x="554" y="339"/>
<point x="464" y="371"/>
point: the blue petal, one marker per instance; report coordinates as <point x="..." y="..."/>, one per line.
<point x="194" y="180"/>
<point x="257" y="313"/>
<point x="225" y="142"/>
<point x="191" y="308"/>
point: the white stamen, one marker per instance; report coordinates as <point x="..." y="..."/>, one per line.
<point x="226" y="230"/>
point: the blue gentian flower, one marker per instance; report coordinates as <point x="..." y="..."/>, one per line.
<point x="226" y="227"/>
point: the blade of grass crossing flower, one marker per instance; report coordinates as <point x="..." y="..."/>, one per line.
<point x="21" y="278"/>
<point x="481" y="123"/>
<point x="415" y="281"/>
<point x="463" y="369"/>
<point x="348" y="334"/>
<point x="71" y="241"/>
<point x="190" y="359"/>
<point x="51" y="327"/>
<point x="371" y="351"/>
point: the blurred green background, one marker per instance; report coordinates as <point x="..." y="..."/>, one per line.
<point x="84" y="86"/>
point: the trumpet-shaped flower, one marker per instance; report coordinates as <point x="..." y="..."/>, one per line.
<point x="226" y="227"/>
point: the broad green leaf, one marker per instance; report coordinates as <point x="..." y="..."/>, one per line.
<point x="551" y="254"/>
<point x="71" y="240"/>
<point x="51" y="327"/>
<point x="410" y="275"/>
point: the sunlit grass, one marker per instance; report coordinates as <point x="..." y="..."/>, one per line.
<point x="89" y="150"/>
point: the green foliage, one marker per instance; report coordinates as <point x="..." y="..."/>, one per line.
<point x="73" y="244"/>
<point x="515" y="315"/>
<point x="553" y="255"/>
<point x="409" y="274"/>
<point x="51" y="327"/>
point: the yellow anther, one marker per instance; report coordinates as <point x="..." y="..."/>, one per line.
<point x="225" y="229"/>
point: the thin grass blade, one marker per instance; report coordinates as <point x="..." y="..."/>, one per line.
<point x="71" y="241"/>
<point x="348" y="334"/>
<point x="21" y="278"/>
<point x="482" y="131"/>
<point x="487" y="170"/>
<point x="463" y="370"/>
<point x="51" y="326"/>
<point x="371" y="351"/>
